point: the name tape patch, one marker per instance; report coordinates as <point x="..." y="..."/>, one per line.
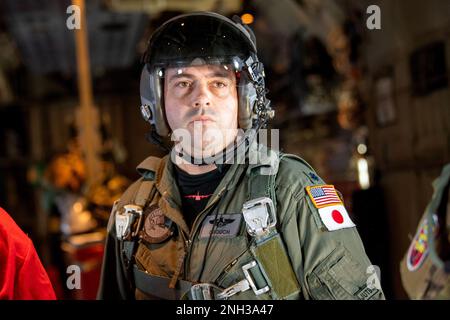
<point x="226" y="225"/>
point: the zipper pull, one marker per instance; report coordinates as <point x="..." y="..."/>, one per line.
<point x="230" y="265"/>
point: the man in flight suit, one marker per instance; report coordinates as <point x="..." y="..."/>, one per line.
<point x="425" y="268"/>
<point x="224" y="218"/>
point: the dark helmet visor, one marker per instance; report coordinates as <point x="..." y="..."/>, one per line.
<point x="187" y="38"/>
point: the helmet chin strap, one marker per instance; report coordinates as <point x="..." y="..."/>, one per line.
<point x="154" y="138"/>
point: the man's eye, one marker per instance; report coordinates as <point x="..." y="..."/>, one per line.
<point x="219" y="84"/>
<point x="183" y="84"/>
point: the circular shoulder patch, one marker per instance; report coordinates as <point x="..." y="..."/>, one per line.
<point x="156" y="229"/>
<point x="419" y="247"/>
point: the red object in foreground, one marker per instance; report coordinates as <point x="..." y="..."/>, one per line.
<point x="22" y="276"/>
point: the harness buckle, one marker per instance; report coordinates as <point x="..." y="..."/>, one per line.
<point x="126" y="220"/>
<point x="250" y="280"/>
<point x="259" y="215"/>
<point x="204" y="291"/>
<point x="241" y="286"/>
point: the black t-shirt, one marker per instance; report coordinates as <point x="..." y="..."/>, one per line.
<point x="195" y="190"/>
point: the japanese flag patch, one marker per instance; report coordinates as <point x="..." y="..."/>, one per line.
<point x="331" y="209"/>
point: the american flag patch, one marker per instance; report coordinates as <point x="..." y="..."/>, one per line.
<point x="323" y="196"/>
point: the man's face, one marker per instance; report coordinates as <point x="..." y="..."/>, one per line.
<point x="203" y="101"/>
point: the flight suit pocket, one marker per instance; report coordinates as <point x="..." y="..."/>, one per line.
<point x="340" y="277"/>
<point x="158" y="259"/>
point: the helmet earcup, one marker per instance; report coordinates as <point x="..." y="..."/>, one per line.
<point x="152" y="96"/>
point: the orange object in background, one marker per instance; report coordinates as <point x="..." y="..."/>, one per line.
<point x="247" y="18"/>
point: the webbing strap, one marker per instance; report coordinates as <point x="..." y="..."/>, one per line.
<point x="140" y="199"/>
<point x="143" y="193"/>
<point x="158" y="286"/>
<point x="260" y="185"/>
<point x="261" y="178"/>
<point x="274" y="268"/>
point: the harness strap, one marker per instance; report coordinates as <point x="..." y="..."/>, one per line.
<point x="135" y="207"/>
<point x="158" y="286"/>
<point x="278" y="279"/>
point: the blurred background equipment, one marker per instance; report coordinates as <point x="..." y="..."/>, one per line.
<point x="369" y="109"/>
<point x="78" y="212"/>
